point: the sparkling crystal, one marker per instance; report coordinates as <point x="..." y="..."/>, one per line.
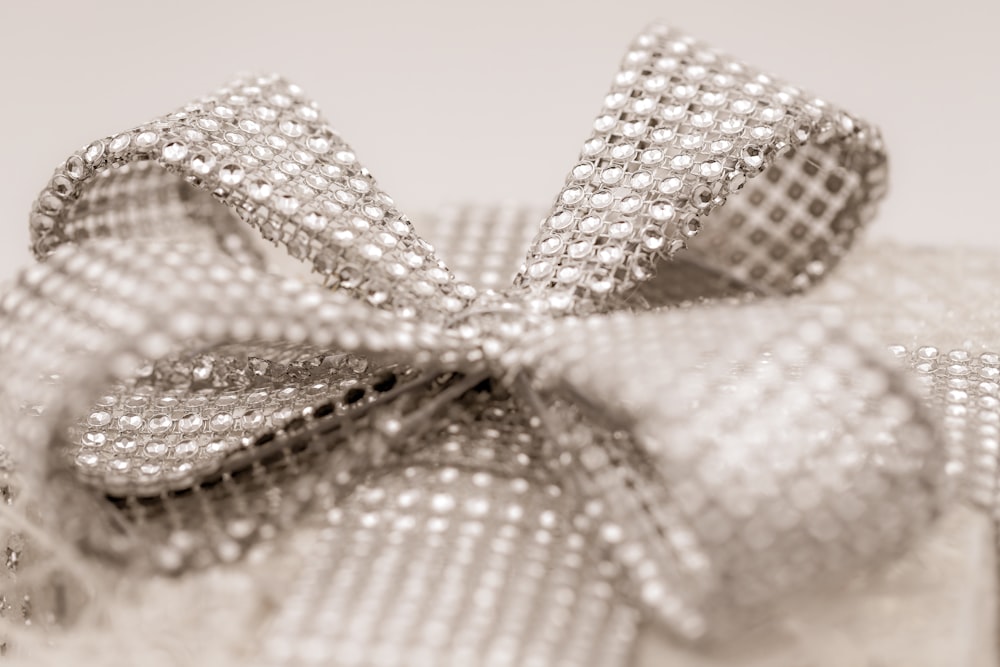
<point x="174" y="151"/>
<point x="550" y="245"/>
<point x="250" y="126"/>
<point x="190" y="423"/>
<point x="623" y="151"/>
<point x="661" y="211"/>
<point x="231" y="174"/>
<point x="561" y="220"/>
<point x="202" y="163"/>
<point x="641" y="180"/>
<point x="670" y="185"/>
<point x="259" y="190"/>
<point x="315" y="222"/>
<point x="611" y="175"/>
<point x="630" y="204"/>
<point x="93" y="439"/>
<point x="540" y="269"/>
<point x="610" y="254"/>
<point x="591" y="224"/>
<point x="146" y="139"/>
<point x="160" y="424"/>
<point x="155" y="449"/>
<point x="125" y="444"/>
<point x="285" y="203"/>
<point x="572" y="195"/>
<point x="99" y="419"/>
<point x="601" y="199"/>
<point x="318" y="144"/>
<point x="594" y="146"/>
<point x="130" y="422"/>
<point x="75" y="167"/>
<point x="620" y="230"/>
<point x="644" y="106"/>
<point x="119" y="143"/>
<point x="93" y="152"/>
<point x="222" y="421"/>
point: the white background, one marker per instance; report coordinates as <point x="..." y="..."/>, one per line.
<point x="465" y="101"/>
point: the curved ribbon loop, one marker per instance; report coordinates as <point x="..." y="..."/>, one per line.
<point x="261" y="148"/>
<point x="683" y="128"/>
<point x="732" y="471"/>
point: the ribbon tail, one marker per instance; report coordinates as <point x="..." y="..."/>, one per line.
<point x="441" y="565"/>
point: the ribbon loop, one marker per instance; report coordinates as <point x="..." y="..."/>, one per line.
<point x="683" y="128"/>
<point x="261" y="148"/>
<point x="153" y="370"/>
<point x="734" y="470"/>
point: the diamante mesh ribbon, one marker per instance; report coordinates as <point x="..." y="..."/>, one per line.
<point x="485" y="474"/>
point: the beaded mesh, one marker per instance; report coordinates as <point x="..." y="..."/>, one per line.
<point x="491" y="464"/>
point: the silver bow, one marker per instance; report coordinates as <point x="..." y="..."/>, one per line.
<point x="486" y="475"/>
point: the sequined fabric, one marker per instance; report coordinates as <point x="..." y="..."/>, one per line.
<point x="489" y="464"/>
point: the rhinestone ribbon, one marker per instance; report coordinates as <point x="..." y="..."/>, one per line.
<point x="488" y="475"/>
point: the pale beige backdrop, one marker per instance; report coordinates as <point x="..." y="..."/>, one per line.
<point x="451" y="101"/>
